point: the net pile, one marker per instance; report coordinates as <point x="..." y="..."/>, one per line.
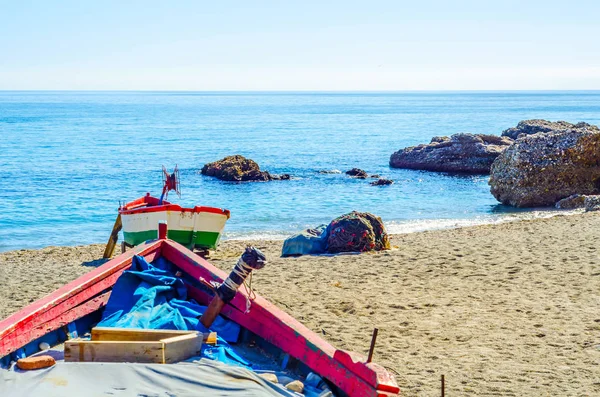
<point x="357" y="232"/>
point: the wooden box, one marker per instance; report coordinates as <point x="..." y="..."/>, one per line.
<point x="137" y="346"/>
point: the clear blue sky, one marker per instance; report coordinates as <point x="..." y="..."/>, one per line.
<point x="300" y="45"/>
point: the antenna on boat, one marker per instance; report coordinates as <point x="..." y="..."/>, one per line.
<point x="170" y="182"/>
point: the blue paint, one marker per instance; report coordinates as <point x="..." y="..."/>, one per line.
<point x="284" y="361"/>
<point x="72" y="331"/>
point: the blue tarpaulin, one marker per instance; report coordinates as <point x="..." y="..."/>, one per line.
<point x="309" y="241"/>
<point x="150" y="296"/>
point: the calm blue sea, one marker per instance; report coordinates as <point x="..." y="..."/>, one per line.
<point x="67" y="158"/>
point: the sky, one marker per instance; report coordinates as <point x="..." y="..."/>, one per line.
<point x="300" y="45"/>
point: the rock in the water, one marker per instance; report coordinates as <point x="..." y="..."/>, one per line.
<point x="329" y="172"/>
<point x="592" y="203"/>
<point x="238" y="169"/>
<point x="357" y="232"/>
<point x="464" y="153"/>
<point x="530" y="127"/>
<point x="382" y="182"/>
<point x="540" y="169"/>
<point x="296" y="386"/>
<point x="357" y="173"/>
<point x="571" y="202"/>
<point x="375" y="176"/>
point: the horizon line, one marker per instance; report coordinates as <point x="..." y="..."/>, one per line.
<point x="304" y="91"/>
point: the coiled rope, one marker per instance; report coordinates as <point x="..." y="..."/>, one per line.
<point x="243" y="271"/>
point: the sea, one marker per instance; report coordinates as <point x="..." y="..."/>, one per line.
<point x="67" y="159"/>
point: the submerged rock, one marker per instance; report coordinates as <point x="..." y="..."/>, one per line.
<point x="382" y="182"/>
<point x="530" y="127"/>
<point x="239" y="169"/>
<point x="282" y="177"/>
<point x="357" y="173"/>
<point x="357" y="232"/>
<point x="541" y="169"/>
<point x="571" y="202"/>
<point x="329" y="172"/>
<point x="464" y="153"/>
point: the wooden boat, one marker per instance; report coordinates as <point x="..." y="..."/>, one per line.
<point x="199" y="227"/>
<point x="75" y="308"/>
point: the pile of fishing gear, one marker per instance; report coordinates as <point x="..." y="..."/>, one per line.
<point x="357" y="232"/>
<point x="353" y="232"/>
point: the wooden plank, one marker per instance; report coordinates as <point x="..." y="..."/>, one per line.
<point x="135" y="334"/>
<point x="114" y="236"/>
<point x="182" y="347"/>
<point x="77" y="350"/>
<point x="54" y="305"/>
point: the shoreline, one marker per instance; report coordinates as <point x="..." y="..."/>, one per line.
<point x="426" y="225"/>
<point x="506" y="309"/>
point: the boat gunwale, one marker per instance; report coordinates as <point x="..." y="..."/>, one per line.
<point x="167" y="206"/>
<point x="77" y="292"/>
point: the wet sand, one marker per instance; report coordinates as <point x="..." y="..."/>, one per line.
<point x="505" y="310"/>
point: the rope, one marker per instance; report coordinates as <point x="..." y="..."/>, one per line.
<point x="250" y="295"/>
<point x="243" y="271"/>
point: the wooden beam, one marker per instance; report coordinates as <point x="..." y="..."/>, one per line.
<point x="135" y="334"/>
<point x="182" y="347"/>
<point x="114" y="237"/>
<point x="137" y="346"/>
<point x="77" y="350"/>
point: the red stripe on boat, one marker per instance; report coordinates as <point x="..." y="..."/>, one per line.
<point x="150" y="204"/>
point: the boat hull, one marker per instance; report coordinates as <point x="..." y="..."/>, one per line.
<point x="191" y="229"/>
<point x="198" y="227"/>
<point x="77" y="301"/>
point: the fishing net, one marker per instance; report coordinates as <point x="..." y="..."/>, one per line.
<point x="357" y="232"/>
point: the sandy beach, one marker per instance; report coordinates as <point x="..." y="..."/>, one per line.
<point x="505" y="310"/>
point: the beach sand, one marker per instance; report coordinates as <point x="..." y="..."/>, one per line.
<point x="505" y="310"/>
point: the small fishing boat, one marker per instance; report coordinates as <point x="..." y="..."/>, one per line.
<point x="199" y="227"/>
<point x="266" y="338"/>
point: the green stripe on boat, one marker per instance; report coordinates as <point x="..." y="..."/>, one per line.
<point x="205" y="240"/>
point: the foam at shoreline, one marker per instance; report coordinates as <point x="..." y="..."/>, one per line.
<point x="419" y="225"/>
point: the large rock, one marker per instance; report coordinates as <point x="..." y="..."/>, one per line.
<point x="238" y="169"/>
<point x="541" y="169"/>
<point x="530" y="127"/>
<point x="465" y="153"/>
